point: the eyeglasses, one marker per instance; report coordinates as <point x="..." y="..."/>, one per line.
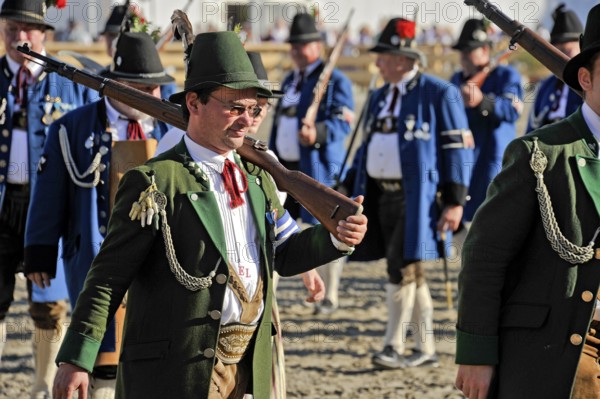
<point x="238" y="110"/>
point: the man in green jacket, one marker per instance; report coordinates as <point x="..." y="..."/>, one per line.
<point x="194" y="238"/>
<point x="529" y="317"/>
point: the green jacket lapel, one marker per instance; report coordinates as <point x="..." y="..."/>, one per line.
<point x="588" y="165"/>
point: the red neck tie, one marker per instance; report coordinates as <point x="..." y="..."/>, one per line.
<point x="392" y="106"/>
<point x="134" y="130"/>
<point x="232" y="185"/>
<point x="23" y="81"/>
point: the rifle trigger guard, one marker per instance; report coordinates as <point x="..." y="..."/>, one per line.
<point x="101" y="88"/>
<point x="513" y="40"/>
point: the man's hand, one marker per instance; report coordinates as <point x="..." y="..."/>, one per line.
<point x="450" y="219"/>
<point x="472" y="95"/>
<point x="69" y="379"/>
<point x="307" y="134"/>
<point x="474" y="381"/>
<point x="352" y="230"/>
<point x="42" y="280"/>
<point x="315" y="286"/>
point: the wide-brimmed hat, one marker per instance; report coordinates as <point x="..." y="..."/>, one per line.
<point x="261" y="74"/>
<point x="567" y="26"/>
<point x="25" y="11"/>
<point x="304" y="29"/>
<point x="398" y="37"/>
<point x="136" y="60"/>
<point x="219" y="59"/>
<point x="114" y="22"/>
<point x="590" y="45"/>
<point x="473" y="35"/>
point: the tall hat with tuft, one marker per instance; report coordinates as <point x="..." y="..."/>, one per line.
<point x="229" y="65"/>
<point x="113" y="25"/>
<point x="304" y="29"/>
<point x="567" y="26"/>
<point x="398" y="37"/>
<point x="261" y="74"/>
<point x="136" y="60"/>
<point x="473" y="35"/>
<point x="28" y="11"/>
<point x="590" y="45"/>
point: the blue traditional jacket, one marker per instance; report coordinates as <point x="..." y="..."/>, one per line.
<point x="435" y="158"/>
<point x="322" y="161"/>
<point x="547" y="100"/>
<point x="493" y="124"/>
<point x="63" y="209"/>
<point x="48" y="98"/>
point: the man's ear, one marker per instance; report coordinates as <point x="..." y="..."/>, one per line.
<point x="585" y="79"/>
<point x="191" y="100"/>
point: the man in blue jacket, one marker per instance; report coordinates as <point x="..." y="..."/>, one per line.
<point x="317" y="150"/>
<point x="493" y="98"/>
<point x="554" y="99"/>
<point x="76" y="175"/>
<point x="30" y="100"/>
<point x="413" y="170"/>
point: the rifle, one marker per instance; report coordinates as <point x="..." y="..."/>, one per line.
<point x="482" y="75"/>
<point x="321" y="86"/>
<point x="442" y="250"/>
<point x="326" y="204"/>
<point x="540" y="49"/>
<point x="363" y="112"/>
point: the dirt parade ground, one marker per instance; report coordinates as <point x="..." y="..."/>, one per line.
<point x="327" y="356"/>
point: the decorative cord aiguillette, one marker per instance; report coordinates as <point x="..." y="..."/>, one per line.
<point x="77" y="177"/>
<point x="560" y="244"/>
<point x="149" y="208"/>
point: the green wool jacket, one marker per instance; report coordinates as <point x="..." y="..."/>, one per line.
<point x="521" y="307"/>
<point x="171" y="332"/>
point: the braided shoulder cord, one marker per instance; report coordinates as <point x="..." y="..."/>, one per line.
<point x="188" y="281"/>
<point x="94" y="167"/>
<point x="560" y="244"/>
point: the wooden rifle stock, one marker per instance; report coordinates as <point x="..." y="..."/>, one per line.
<point x="479" y="78"/>
<point x="324" y="203"/>
<point x="321" y="86"/>
<point x="540" y="49"/>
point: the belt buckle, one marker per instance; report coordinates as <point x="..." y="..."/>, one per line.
<point x="233" y="341"/>
<point x="390" y="186"/>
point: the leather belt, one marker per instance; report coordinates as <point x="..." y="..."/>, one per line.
<point x="19" y="119"/>
<point x="389" y="185"/>
<point x="388" y="124"/>
<point x="289" y="111"/>
<point x="234" y="340"/>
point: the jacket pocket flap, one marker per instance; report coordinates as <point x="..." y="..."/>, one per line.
<point x="145" y="351"/>
<point x="524" y="315"/>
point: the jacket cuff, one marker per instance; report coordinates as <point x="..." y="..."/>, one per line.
<point x="321" y="134"/>
<point x="454" y="194"/>
<point x="476" y="349"/>
<point x="487" y="106"/>
<point x="41" y="259"/>
<point x="79" y="350"/>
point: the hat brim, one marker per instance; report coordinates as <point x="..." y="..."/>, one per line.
<point x="572" y="68"/>
<point x="240" y="85"/>
<point x="274" y="94"/>
<point x="565" y="38"/>
<point x="471" y="45"/>
<point x="157" y="80"/>
<point x="305" y="38"/>
<point x="26" y="19"/>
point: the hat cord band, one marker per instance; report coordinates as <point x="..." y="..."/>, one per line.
<point x="139" y="75"/>
<point x="27" y="13"/>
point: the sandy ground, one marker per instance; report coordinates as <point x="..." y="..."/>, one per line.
<point x="326" y="356"/>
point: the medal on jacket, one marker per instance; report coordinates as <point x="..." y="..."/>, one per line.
<point x="409" y="122"/>
<point x="47" y="118"/>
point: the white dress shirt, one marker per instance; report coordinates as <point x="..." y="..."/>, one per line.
<point x="241" y="235"/>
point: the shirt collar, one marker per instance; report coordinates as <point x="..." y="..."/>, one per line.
<point x="208" y="157"/>
<point x="35" y="69"/>
<point x="401" y="85"/>
<point x="592" y="119"/>
<point x="309" y="69"/>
